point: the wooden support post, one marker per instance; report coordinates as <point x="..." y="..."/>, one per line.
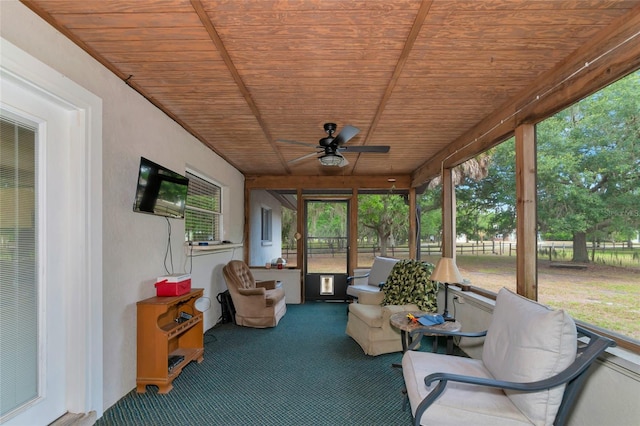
<point x="526" y="211"/>
<point x="413" y="225"/>
<point x="300" y="242"/>
<point x="247" y="224"/>
<point x="448" y="215"/>
<point x="353" y="232"/>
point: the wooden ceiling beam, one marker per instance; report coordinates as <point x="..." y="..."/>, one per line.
<point x="397" y="72"/>
<point x="391" y="182"/>
<point x="222" y="50"/>
<point x="127" y="79"/>
<point x="612" y="54"/>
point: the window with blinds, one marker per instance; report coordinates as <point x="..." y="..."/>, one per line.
<point x="266" y="226"/>
<point x="18" y="265"/>
<point x="203" y="211"/>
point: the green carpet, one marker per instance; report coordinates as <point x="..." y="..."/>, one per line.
<point x="306" y="371"/>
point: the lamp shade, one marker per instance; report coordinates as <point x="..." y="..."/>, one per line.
<point x="447" y="272"/>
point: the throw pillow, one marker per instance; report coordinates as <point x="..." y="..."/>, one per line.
<point x="527" y="341"/>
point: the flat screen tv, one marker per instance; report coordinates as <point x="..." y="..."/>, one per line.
<point x="160" y="191"/>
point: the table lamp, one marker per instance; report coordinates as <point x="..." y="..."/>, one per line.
<point x="447" y="273"/>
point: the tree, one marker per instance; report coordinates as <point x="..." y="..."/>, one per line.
<point x="474" y="168"/>
<point x="289" y="226"/>
<point x="486" y="207"/>
<point x="386" y="215"/>
<point x="589" y="166"/>
<point x="430" y="208"/>
<point x="466" y="178"/>
<point x="326" y="221"/>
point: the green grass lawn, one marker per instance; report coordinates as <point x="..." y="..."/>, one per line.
<point x="606" y="296"/>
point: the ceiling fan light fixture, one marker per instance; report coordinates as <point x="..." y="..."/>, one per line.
<point x="331" y="159"/>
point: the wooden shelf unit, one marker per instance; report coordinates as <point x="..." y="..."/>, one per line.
<point x="160" y="336"/>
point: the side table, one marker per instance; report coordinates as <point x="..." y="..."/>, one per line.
<point x="400" y="321"/>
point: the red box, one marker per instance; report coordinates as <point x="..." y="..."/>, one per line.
<point x="173" y="285"/>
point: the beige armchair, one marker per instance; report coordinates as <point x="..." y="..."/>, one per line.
<point x="407" y="288"/>
<point x="368" y="324"/>
<point x="258" y="304"/>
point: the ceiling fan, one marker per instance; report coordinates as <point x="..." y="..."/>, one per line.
<point x="330" y="148"/>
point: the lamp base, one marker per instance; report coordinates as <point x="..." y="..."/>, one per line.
<point x="445" y="314"/>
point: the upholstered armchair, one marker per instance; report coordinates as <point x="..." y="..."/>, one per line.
<point x="258" y="304"/>
<point x="407" y="288"/>
<point x="530" y="373"/>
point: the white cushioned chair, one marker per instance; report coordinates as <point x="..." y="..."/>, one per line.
<point x="368" y="324"/>
<point x="529" y="373"/>
<point x="370" y="281"/>
<point x="407" y="288"/>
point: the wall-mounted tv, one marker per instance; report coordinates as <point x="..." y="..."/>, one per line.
<point x="160" y="191"/>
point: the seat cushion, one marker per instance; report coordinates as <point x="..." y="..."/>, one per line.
<point x="369" y="314"/>
<point x="356" y="290"/>
<point x="525" y="342"/>
<point x="459" y="404"/>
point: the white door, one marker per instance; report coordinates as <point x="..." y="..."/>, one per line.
<point x="37" y="395"/>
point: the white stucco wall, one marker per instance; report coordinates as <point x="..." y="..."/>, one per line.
<point x="260" y="254"/>
<point x="134" y="244"/>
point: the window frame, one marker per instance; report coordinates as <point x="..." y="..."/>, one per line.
<point x="217" y="237"/>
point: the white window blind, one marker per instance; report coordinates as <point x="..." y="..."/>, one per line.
<point x="203" y="211"/>
<point x="18" y="266"/>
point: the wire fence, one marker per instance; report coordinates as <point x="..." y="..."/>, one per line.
<point x="625" y="254"/>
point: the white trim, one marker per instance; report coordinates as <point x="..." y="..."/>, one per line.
<point x="203" y="176"/>
<point x="84" y="297"/>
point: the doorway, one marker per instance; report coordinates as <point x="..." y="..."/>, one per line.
<point x="56" y="228"/>
<point x="326" y="256"/>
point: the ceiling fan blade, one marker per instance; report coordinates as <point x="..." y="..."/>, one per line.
<point x="296" y="143"/>
<point x="345" y="134"/>
<point x="304" y="157"/>
<point x="364" y="148"/>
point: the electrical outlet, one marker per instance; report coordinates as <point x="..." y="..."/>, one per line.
<point x="458" y="299"/>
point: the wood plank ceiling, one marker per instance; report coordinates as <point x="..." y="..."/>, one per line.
<point x="240" y="75"/>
